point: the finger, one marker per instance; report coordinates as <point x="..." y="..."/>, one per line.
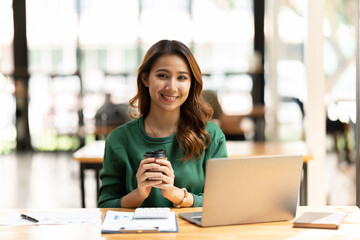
<point x="166" y="171"/>
<point x="152" y="176"/>
<point x="163" y="162"/>
<point x="147" y="160"/>
<point x="164" y="179"/>
<point x="141" y="178"/>
<point x="148" y="166"/>
<point x="151" y="183"/>
<point x="144" y="162"/>
<point x="151" y="166"/>
<point x="167" y="180"/>
<point x="162" y="186"/>
<point x="140" y="172"/>
<point x="144" y="179"/>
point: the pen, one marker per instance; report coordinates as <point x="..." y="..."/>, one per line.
<point x="26" y="217"/>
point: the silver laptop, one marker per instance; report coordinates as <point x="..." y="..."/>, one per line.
<point x="249" y="190"/>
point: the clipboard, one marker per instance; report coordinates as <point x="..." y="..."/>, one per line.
<point x="124" y="222"/>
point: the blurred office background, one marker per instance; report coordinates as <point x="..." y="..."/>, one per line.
<point x="80" y="51"/>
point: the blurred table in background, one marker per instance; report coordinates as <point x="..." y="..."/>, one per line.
<point x="91" y="157"/>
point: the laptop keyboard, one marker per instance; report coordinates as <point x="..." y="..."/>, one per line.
<point x="197" y="218"/>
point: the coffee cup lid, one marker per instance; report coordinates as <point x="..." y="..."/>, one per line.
<point x="156" y="154"/>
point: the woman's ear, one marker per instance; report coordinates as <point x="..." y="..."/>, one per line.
<point x="145" y="79"/>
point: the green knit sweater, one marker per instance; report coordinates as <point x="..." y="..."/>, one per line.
<point x="125" y="148"/>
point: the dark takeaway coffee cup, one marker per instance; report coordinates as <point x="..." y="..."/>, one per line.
<point x="159" y="154"/>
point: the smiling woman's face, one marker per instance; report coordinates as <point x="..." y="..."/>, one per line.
<point x="169" y="83"/>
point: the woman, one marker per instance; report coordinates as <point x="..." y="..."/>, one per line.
<point x="173" y="117"/>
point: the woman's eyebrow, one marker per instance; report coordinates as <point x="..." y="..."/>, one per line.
<point x="185" y="73"/>
<point x="165" y="70"/>
<point x="162" y="70"/>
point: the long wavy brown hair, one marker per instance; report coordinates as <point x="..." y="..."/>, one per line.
<point x="194" y="112"/>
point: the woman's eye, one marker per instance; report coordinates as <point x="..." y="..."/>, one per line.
<point x="183" y="78"/>
<point x="162" y="76"/>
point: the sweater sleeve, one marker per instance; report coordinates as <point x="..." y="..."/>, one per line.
<point x="112" y="175"/>
<point x="217" y="149"/>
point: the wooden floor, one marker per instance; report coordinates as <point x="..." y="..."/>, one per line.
<point x="51" y="180"/>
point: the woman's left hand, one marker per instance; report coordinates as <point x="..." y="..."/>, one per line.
<point x="167" y="185"/>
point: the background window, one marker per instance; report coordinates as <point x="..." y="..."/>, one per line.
<point x="80" y="53"/>
<point x="7" y="100"/>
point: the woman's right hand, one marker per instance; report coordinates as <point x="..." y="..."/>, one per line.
<point x="147" y="176"/>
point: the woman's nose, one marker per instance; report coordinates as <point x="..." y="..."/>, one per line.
<point x="171" y="84"/>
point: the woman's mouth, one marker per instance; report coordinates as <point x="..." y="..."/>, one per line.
<point x="169" y="98"/>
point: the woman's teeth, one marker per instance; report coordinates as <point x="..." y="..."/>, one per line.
<point x="169" y="98"/>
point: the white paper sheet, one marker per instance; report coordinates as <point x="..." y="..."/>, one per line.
<point x="52" y="218"/>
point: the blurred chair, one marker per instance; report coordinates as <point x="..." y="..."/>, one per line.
<point x="109" y="116"/>
<point x="338" y="128"/>
<point x="229" y="124"/>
